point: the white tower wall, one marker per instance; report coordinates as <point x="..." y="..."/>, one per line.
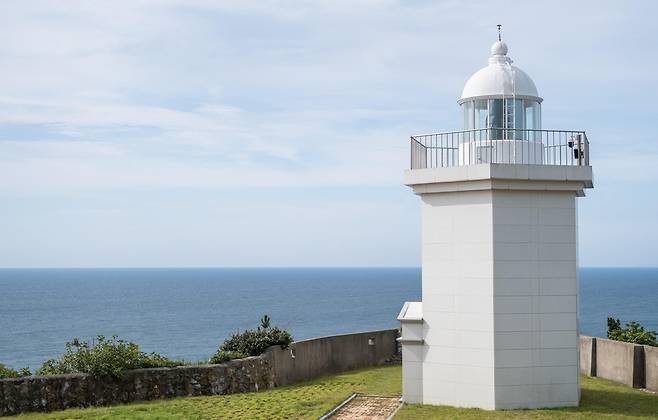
<point x="535" y="299"/>
<point x="457" y="261"/>
<point x="499" y="288"/>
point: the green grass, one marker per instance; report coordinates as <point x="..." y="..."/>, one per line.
<point x="600" y="399"/>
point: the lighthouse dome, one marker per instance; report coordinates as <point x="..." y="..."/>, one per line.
<point x="499" y="79"/>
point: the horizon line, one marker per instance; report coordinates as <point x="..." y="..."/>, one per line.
<point x="202" y="267"/>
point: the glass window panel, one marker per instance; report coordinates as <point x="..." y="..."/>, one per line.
<point x="496" y="113"/>
<point x="496" y="117"/>
<point x="518" y="114"/>
<point x="529" y="115"/>
<point x="517" y="120"/>
<point x="468" y="115"/>
<point x="468" y="120"/>
<point x="536" y="120"/>
<point x="537" y="115"/>
<point x="532" y="117"/>
<point x="481" y="114"/>
<point x="508" y="115"/>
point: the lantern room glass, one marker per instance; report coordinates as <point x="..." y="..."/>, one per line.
<point x="505" y="118"/>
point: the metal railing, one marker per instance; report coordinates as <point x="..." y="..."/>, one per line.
<point x="500" y="145"/>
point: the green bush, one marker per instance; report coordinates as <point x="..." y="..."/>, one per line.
<point x="224" y="356"/>
<point x="6" y="372"/>
<point x="255" y="342"/>
<point x="155" y="360"/>
<point x="632" y="333"/>
<point x="103" y="357"/>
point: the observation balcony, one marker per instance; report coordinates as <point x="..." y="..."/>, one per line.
<point x="500" y="146"/>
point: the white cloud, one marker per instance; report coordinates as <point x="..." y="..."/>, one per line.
<point x="225" y="95"/>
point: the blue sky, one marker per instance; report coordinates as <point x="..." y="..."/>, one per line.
<point x="274" y="133"/>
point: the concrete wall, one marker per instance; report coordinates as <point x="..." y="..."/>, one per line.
<point x="412" y="372"/>
<point x="627" y="363"/>
<point x="412" y="343"/>
<point x="651" y="368"/>
<point x="619" y="362"/>
<point x="58" y="392"/>
<point x="587" y="361"/>
<point x="322" y="356"/>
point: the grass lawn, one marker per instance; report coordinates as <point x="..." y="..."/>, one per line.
<point x="600" y="399"/>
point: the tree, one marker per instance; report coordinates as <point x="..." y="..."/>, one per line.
<point x="632" y="333"/>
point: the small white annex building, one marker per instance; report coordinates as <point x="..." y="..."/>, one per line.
<point x="497" y="327"/>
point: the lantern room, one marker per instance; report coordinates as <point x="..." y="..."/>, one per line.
<point x="502" y="124"/>
<point x="501" y="95"/>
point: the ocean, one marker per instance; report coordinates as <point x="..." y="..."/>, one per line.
<point x="187" y="313"/>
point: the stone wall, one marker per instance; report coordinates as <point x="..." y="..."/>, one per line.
<point x="313" y="358"/>
<point x="57" y="392"/>
<point x="627" y="363"/>
<point x="309" y="359"/>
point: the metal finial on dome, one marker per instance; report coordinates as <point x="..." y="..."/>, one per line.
<point x="499" y="48"/>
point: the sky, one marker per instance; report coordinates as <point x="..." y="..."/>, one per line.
<point x="275" y="133"/>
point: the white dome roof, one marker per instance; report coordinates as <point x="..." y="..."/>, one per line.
<point x="500" y="79"/>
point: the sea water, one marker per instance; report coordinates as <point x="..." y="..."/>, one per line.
<point x="187" y="313"/>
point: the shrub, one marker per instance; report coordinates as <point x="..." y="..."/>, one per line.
<point x="52" y="367"/>
<point x="155" y="360"/>
<point x="632" y="333"/>
<point x="255" y="342"/>
<point x="224" y="356"/>
<point x="103" y="357"/>
<point x="6" y="372"/>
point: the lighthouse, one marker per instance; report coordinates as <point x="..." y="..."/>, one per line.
<point x="497" y="327"/>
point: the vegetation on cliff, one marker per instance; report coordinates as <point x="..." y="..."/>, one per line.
<point x="103" y="357"/>
<point x="113" y="356"/>
<point x="6" y="372"/>
<point x="252" y="342"/>
<point x="633" y="332"/>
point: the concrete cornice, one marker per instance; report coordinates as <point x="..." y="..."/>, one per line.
<point x="495" y="176"/>
<point x="411" y="312"/>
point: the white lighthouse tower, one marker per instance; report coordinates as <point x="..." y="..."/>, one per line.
<point x="497" y="327"/>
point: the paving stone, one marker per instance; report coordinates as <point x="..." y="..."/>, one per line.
<point x="367" y="407"/>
